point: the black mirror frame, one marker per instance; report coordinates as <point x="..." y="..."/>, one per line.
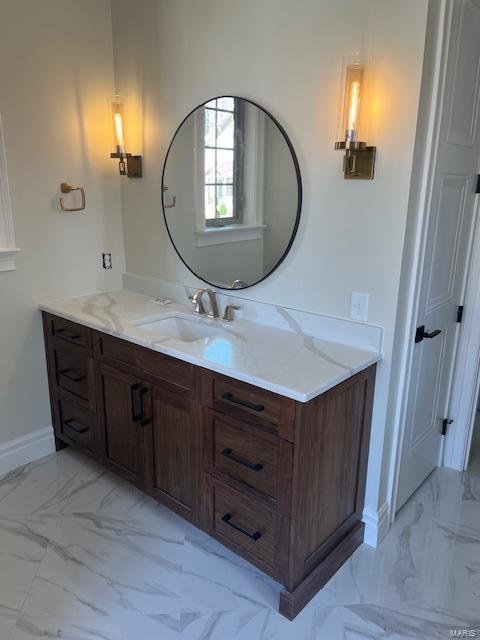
<point x="299" y="187"/>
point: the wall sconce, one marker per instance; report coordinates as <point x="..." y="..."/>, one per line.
<point x="359" y="159"/>
<point x="128" y="165"/>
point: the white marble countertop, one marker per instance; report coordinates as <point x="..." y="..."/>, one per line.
<point x="289" y="363"/>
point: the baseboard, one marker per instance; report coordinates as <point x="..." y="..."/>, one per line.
<point x="25" y="449"/>
<point x="376" y="525"/>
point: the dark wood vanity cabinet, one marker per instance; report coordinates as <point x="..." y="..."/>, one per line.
<point x="278" y="481"/>
<point x="119" y="423"/>
<point x="172" y="452"/>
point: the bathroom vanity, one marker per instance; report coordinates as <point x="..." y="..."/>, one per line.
<point x="277" y="479"/>
<point x="255" y="431"/>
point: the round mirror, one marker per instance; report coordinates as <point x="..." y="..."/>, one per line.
<point x="232" y="192"/>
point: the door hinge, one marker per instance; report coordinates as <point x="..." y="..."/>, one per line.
<point x="460" y="313"/>
<point x="478" y="184"/>
<point x="445" y="424"/>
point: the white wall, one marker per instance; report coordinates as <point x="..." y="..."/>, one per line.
<point x="56" y="71"/>
<point x="173" y="54"/>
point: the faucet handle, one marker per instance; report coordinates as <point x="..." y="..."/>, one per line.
<point x="228" y="314"/>
<point x="199" y="306"/>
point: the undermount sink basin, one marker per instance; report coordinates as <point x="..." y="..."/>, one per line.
<point x="180" y="328"/>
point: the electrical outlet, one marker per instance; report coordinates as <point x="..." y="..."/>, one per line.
<point x="107" y="260"/>
<point x="359" y="306"/>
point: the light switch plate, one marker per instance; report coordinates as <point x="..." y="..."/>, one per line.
<point x="359" y="306"/>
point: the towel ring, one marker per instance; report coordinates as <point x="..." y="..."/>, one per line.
<point x="65" y="187"/>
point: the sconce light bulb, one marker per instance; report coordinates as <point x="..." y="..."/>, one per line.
<point x="119" y="131"/>
<point x="353" y="111"/>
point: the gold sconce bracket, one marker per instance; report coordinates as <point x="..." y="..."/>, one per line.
<point x="65" y="187"/>
<point x="130" y="166"/>
<point x="358" y="161"/>
<point x="134" y="167"/>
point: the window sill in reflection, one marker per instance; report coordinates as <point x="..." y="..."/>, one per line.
<point x="7" y="258"/>
<point x="229" y="233"/>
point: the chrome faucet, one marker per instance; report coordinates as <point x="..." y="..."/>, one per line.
<point x="238" y="284"/>
<point x="228" y="314"/>
<point x="197" y="300"/>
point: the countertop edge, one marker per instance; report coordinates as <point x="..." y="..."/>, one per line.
<point x="184" y="357"/>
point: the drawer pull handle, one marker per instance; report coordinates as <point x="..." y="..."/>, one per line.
<point x="249" y="405"/>
<point x="136" y="402"/>
<point x="71" y="374"/>
<point x="227" y="518"/>
<point x="68" y="334"/>
<point x="143" y="420"/>
<point x="76" y="425"/>
<point x="228" y="453"/>
<point x="137" y="392"/>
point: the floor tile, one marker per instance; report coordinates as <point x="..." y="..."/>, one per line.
<point x="417" y="559"/>
<point x="85" y="555"/>
<point x="23" y="545"/>
<point x="214" y="578"/>
<point x="6" y="625"/>
<point x="353" y="622"/>
<point x="103" y="565"/>
<point x="160" y="627"/>
<point x="41" y="487"/>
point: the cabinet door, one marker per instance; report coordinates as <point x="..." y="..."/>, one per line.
<point x="172" y="453"/>
<point x="122" y="404"/>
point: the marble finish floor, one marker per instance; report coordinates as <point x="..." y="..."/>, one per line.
<point x="85" y="556"/>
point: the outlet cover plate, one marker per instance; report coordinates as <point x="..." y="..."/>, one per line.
<point x="107" y="260"/>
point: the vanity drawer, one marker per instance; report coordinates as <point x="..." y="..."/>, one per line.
<point x="247" y="523"/>
<point x="114" y="350"/>
<point x="243" y="452"/>
<point x="247" y="402"/>
<point x="69" y="332"/>
<point x="73" y="373"/>
<point x="76" y="425"/>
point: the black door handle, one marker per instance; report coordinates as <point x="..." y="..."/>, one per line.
<point x="228" y="453"/>
<point x="227" y="518"/>
<point x="420" y="333"/>
<point x="243" y="403"/>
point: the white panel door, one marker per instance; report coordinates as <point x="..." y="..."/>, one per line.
<point x="449" y="231"/>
